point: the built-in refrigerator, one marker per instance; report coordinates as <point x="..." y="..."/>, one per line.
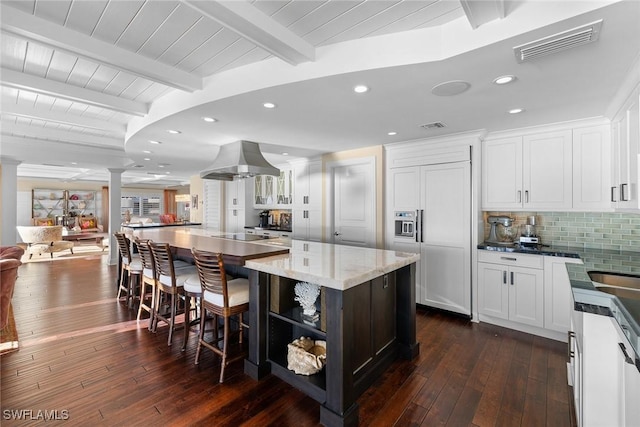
<point x="439" y="198"/>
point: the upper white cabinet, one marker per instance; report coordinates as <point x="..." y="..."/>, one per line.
<point x="274" y="192"/>
<point x="591" y="168"/>
<point x="307" y="200"/>
<point x="561" y="169"/>
<point x="237" y="206"/>
<point x="626" y="148"/>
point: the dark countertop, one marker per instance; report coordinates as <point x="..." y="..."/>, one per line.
<point x="160" y="225"/>
<point x="587" y="297"/>
<point x="272" y="228"/>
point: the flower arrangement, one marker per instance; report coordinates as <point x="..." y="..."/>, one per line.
<point x="306" y="295"/>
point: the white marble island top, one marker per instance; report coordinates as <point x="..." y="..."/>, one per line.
<point x="334" y="266"/>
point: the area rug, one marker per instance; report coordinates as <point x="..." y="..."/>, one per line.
<point x="79" y="251"/>
<point x="9" y="335"/>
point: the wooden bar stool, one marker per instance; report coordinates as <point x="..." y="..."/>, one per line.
<point x="131" y="267"/>
<point x="148" y="280"/>
<point x="169" y="284"/>
<point x="220" y="298"/>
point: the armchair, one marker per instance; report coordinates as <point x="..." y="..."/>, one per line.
<point x="9" y="263"/>
<point x="43" y="239"/>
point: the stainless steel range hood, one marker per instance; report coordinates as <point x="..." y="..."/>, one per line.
<point x="241" y="159"/>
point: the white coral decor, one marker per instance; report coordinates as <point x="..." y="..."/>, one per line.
<point x="306" y="295"/>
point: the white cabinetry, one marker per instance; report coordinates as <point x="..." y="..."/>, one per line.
<point x="557" y="293"/>
<point x="307" y="200"/>
<point x="591" y="168"/>
<point x="274" y="192"/>
<point x="626" y="148"/>
<point x="527" y="172"/>
<point x="237" y="203"/>
<point x="510" y="287"/>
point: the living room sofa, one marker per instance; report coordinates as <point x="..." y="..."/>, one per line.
<point x="9" y="262"/>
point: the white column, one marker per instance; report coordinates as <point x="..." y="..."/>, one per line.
<point x="8" y="200"/>
<point x="115" y="192"/>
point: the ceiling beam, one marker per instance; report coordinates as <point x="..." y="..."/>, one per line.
<point x="31" y="112"/>
<point x="250" y="23"/>
<point x="44" y="32"/>
<point x="57" y="135"/>
<point x="30" y="83"/>
<point x="482" y="11"/>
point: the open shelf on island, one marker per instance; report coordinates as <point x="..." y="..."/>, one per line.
<point x="313" y="385"/>
<point x="295" y="316"/>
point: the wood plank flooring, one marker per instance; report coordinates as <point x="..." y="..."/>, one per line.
<point x="84" y="353"/>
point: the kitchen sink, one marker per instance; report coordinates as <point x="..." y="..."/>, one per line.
<point x="618" y="284"/>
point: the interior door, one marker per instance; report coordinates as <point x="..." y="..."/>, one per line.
<point x="446" y="237"/>
<point x="354" y="203"/>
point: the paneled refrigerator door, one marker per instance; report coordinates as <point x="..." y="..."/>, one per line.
<point x="445" y="257"/>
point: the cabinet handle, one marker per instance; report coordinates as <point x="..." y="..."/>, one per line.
<point x="526" y="196"/>
<point x="626" y="355"/>
<point x="235" y="201"/>
<point x="623" y="198"/>
<point x="385" y="281"/>
<point x="570" y="335"/>
<point x="512" y="283"/>
<point x="519" y="196"/>
<point x="612" y="197"/>
<point x="504" y="277"/>
<point x="508" y="258"/>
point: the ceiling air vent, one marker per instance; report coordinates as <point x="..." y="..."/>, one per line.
<point x="558" y="42"/>
<point x="434" y="125"/>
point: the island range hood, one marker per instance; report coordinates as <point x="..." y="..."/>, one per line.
<point x="241" y="159"/>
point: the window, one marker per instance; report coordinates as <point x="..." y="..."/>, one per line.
<point x="143" y="205"/>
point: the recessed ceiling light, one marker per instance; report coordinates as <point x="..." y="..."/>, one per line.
<point x="74" y="163"/>
<point x="392" y="133"/>
<point x="360" y="89"/>
<point x="269" y="105"/>
<point x="147" y="152"/>
<point x="147" y="158"/>
<point x="173" y="132"/>
<point x="516" y="110"/>
<point x="209" y="119"/>
<point x="503" y="80"/>
<point x="154" y="142"/>
<point x="285" y="154"/>
<point x="160" y="166"/>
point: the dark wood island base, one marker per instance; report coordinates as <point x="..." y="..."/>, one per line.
<point x="366" y="327"/>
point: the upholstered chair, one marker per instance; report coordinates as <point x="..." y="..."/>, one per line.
<point x="42" y="239"/>
<point x="9" y="263"/>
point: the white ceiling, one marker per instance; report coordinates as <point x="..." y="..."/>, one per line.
<point x="86" y="84"/>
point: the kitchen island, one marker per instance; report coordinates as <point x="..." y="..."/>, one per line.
<point x="366" y="316"/>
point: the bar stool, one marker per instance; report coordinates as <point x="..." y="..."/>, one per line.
<point x="221" y="298"/>
<point x="131" y="267"/>
<point x="148" y="279"/>
<point x="169" y="284"/>
<point x="192" y="291"/>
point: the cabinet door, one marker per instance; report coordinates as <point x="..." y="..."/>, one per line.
<point x="629" y="192"/>
<point x="314" y="218"/>
<point x="557" y="294"/>
<point x="547" y="170"/>
<point x="502" y="173"/>
<point x="403" y="189"/>
<point x="526" y="296"/>
<point x="300" y="224"/>
<point x="314" y="171"/>
<point x="631" y="391"/>
<point x="493" y="290"/>
<point x="591" y="168"/>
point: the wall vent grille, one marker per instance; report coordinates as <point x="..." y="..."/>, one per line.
<point x="558" y="42"/>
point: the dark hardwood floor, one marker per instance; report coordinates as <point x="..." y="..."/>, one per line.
<point x="84" y="355"/>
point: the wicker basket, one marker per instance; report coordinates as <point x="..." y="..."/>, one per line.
<point x="306" y="356"/>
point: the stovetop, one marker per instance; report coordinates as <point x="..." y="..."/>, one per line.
<point x="244" y="237"/>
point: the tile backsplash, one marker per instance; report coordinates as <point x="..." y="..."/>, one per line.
<point x="598" y="230"/>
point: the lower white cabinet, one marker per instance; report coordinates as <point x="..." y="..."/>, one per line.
<point x="510" y="287"/>
<point x="557" y="293"/>
<point x="307" y="224"/>
<point x="605" y="378"/>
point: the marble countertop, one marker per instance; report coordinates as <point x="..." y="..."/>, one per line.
<point x="334" y="266"/>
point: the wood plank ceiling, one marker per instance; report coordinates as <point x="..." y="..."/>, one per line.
<point x="74" y="72"/>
